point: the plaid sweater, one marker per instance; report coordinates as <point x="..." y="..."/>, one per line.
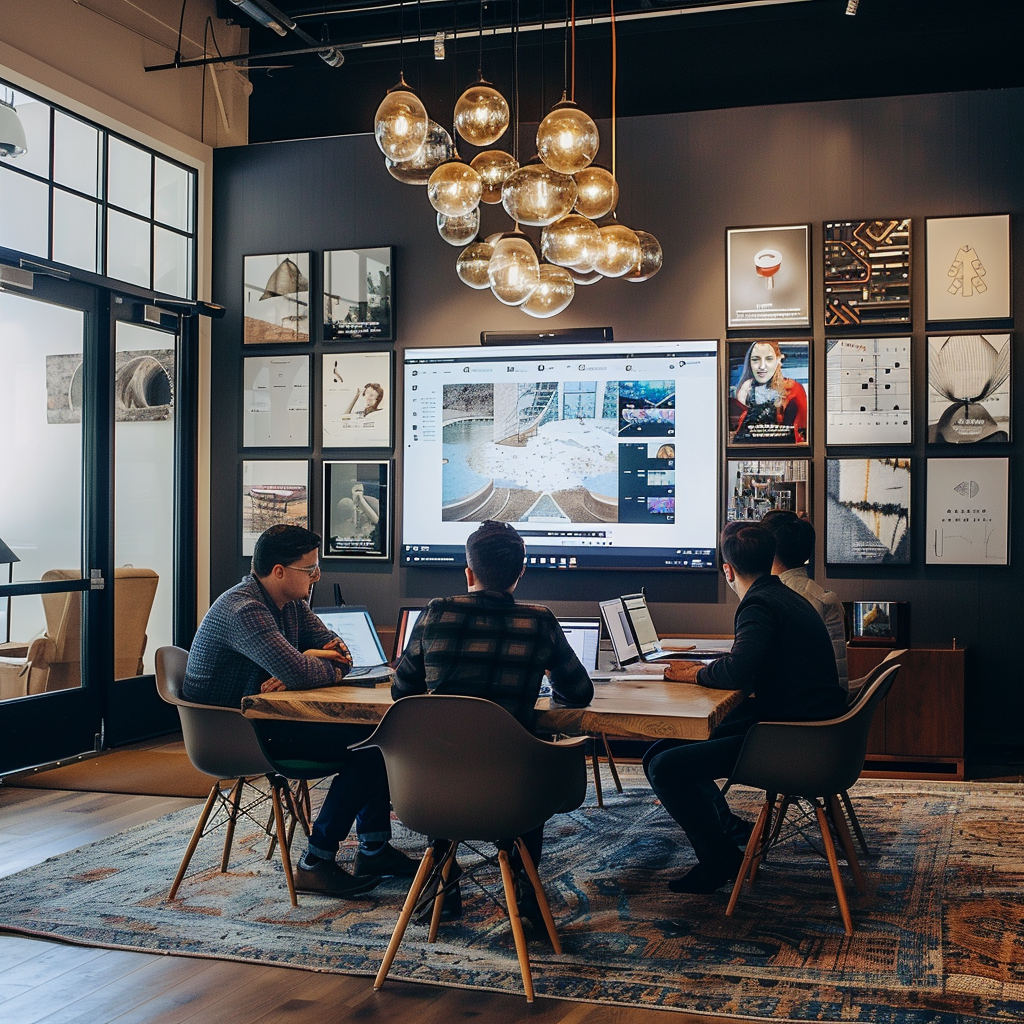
<point x="483" y="644"/>
<point x="245" y="639"/>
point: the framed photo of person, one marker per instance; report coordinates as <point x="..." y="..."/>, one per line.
<point x="968" y="268"/>
<point x="273" y="492"/>
<point x="275" y="406"/>
<point x="275" y="299"/>
<point x="757" y="486"/>
<point x="867" y="520"/>
<point x="768" y="276"/>
<point x="969" y="388"/>
<point x="968" y="512"/>
<point x="769" y="392"/>
<point x="358" y="398"/>
<point x="358" y="295"/>
<point x="867" y="272"/>
<point x="357" y="510"/>
<point x="867" y="392"/>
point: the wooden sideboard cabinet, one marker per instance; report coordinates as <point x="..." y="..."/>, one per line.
<point x="918" y="730"/>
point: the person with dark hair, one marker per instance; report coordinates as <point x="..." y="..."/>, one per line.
<point x="485" y="644"/>
<point x="794" y="548"/>
<point x="782" y="654"/>
<point x="261" y="636"/>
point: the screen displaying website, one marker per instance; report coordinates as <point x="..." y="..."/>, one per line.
<point x="603" y="458"/>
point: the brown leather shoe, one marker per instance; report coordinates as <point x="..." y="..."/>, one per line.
<point x="328" y="879"/>
<point x="387" y="861"/>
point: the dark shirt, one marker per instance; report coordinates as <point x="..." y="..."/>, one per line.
<point x="245" y="639"/>
<point x="782" y="652"/>
<point x="483" y="644"/>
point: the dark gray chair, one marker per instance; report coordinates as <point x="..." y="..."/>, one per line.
<point x="220" y="742"/>
<point x="811" y="761"/>
<point x="463" y="769"/>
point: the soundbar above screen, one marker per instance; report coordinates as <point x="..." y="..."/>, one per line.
<point x="603" y="458"/>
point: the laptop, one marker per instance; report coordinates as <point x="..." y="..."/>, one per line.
<point x="584" y="636"/>
<point x="407" y="618"/>
<point x="615" y="621"/>
<point x="354" y="625"/>
<point x="651" y="648"/>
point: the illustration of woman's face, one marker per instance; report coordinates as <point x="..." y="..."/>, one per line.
<point x="764" y="361"/>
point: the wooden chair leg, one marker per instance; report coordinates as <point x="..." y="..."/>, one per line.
<point x="854" y="823"/>
<point x="305" y="806"/>
<point x="542" y="896"/>
<point x="229" y="834"/>
<point x="197" y="834"/>
<point x="833" y="864"/>
<point x="770" y="832"/>
<point x="839" y="822"/>
<point x="597" y="773"/>
<point x="748" y="857"/>
<point x="611" y="763"/>
<point x="517" y="924"/>
<point x="408" y="907"/>
<point x="446" y="871"/>
<point x="282" y="840"/>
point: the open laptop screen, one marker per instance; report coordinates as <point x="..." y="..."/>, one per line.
<point x="407" y="618"/>
<point x="615" y="621"/>
<point x="355" y="627"/>
<point x="639" y="616"/>
<point x="584" y="636"/>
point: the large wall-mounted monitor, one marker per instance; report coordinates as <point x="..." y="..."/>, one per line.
<point x="602" y="458"/>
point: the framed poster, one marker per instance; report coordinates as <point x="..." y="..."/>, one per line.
<point x="768" y="276"/>
<point x="275" y="409"/>
<point x="357" y="510"/>
<point x="757" y="486"/>
<point x="273" y="492"/>
<point x="358" y="295"/>
<point x="769" y="392"/>
<point x="867" y="272"/>
<point x="275" y="299"/>
<point x="867" y="391"/>
<point x="358" y="399"/>
<point x="867" y="518"/>
<point x="969" y="388"/>
<point x="968" y="512"/>
<point x="968" y="267"/>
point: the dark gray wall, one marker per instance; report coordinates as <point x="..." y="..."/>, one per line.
<point x="685" y="177"/>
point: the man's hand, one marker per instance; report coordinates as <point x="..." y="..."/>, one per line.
<point x="271" y="685"/>
<point x="682" y="671"/>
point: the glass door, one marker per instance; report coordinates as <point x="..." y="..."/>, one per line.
<point x="53" y="515"/>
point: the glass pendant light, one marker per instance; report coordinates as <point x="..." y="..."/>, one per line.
<point x="619" y="252"/>
<point x="471" y="266"/>
<point x="553" y="293"/>
<point x="567" y="139"/>
<point x="584" y="276"/>
<point x="513" y="270"/>
<point x="459" y="230"/>
<point x="598" y="192"/>
<point x="436" y="149"/>
<point x="454" y="188"/>
<point x="537" y="195"/>
<point x="651" y="258"/>
<point x="571" y="240"/>
<point x="401" y="123"/>
<point x="493" y="166"/>
<point x="481" y="114"/>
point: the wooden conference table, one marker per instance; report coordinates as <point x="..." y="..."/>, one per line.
<point x="623" y="706"/>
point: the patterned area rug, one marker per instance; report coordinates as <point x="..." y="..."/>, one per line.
<point x="939" y="932"/>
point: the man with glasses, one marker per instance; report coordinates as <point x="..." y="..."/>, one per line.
<point x="252" y="640"/>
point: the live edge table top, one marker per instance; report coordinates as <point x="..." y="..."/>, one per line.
<point x="623" y="706"/>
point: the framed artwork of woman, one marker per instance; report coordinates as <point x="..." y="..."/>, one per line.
<point x="769" y="392"/>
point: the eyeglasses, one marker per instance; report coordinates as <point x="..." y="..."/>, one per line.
<point x="312" y="571"/>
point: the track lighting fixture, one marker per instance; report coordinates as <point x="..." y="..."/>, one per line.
<point x="851" y="7"/>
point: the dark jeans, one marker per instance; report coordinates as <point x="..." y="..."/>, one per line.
<point x="359" y="790"/>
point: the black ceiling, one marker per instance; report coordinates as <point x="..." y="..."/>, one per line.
<point x="764" y="53"/>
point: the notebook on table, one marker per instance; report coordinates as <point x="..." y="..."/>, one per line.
<point x="354" y="625"/>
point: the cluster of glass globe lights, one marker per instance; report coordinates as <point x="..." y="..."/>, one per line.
<point x="560" y="191"/>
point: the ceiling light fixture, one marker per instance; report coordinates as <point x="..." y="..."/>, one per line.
<point x="266" y="14"/>
<point x="12" y="132"/>
<point x="851" y="7"/>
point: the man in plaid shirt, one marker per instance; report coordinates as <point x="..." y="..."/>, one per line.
<point x="484" y="644"/>
<point x="252" y="640"/>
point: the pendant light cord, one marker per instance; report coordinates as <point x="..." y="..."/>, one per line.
<point x="480" y="36"/>
<point x="515" y="75"/>
<point x="565" y="51"/>
<point x="572" y="94"/>
<point x="615" y="70"/>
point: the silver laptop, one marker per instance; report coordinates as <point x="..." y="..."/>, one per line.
<point x="354" y="625"/>
<point x="584" y="636"/>
<point x="615" y="621"/>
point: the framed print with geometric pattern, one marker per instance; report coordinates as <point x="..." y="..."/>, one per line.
<point x="969" y="388"/>
<point x="867" y="272"/>
<point x="867" y="391"/>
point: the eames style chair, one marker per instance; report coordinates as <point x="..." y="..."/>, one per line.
<point x="220" y="742"/>
<point x="811" y="761"/>
<point x="462" y="769"/>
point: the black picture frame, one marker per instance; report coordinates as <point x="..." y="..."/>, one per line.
<point x="974" y="409"/>
<point x="354" y="493"/>
<point x="869" y="391"/>
<point x="357" y="394"/>
<point x="788" y="425"/>
<point x="756" y="486"/>
<point x="868" y="511"/>
<point x="978" y="289"/>
<point x="358" y="294"/>
<point x="272" y="414"/>
<point x="768" y="277"/>
<point x="283" y="497"/>
<point x="281" y="280"/>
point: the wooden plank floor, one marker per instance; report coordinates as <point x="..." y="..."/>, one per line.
<point x="44" y="982"/>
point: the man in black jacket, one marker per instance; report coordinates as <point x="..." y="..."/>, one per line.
<point x="782" y="655"/>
